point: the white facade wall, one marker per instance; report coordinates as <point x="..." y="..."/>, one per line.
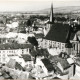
<point x="63" y="77"/>
<point x="49" y="43"/>
<point x="71" y="71"/>
<point x="3" y="57"/>
<point x="78" y="70"/>
<point x="76" y="47"/>
<point x="4" y="54"/>
<point x="39" y="63"/>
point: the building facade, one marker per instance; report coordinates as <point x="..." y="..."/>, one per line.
<point x="62" y="36"/>
<point x="6" y="53"/>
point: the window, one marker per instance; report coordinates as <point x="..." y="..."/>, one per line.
<point x="63" y="46"/>
<point x="26" y="50"/>
<point x="3" y="55"/>
<point x="62" y="50"/>
<point x="9" y="51"/>
<point x="74" y="46"/>
<point x="53" y="44"/>
<point x="45" y="41"/>
<point x="0" y="59"/>
<point x="49" y="42"/>
<point x="14" y="51"/>
<point x="3" y="51"/>
<point x="3" y="59"/>
<point x="62" y="55"/>
<point x="59" y="45"/>
<point x="22" y="51"/>
<point x="29" y="50"/>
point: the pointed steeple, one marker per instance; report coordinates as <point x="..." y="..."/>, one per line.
<point x="51" y="14"/>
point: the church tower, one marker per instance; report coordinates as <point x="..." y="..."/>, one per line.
<point x="51" y="14"/>
<point x="51" y="21"/>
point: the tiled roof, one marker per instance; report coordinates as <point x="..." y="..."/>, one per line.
<point x="48" y="65"/>
<point x="64" y="63"/>
<point x="18" y="66"/>
<point x="59" y="32"/>
<point x="26" y="57"/>
<point x="14" y="46"/>
<point x="13" y="64"/>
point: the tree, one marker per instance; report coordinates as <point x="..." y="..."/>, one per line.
<point x="29" y="23"/>
<point x="33" y="41"/>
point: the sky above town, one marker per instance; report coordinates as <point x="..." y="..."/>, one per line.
<point x="33" y="5"/>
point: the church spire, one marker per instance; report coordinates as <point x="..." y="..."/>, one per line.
<point x="51" y="14"/>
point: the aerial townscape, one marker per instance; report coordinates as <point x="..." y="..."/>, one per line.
<point x="39" y="46"/>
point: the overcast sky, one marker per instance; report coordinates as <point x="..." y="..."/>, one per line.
<point x="32" y="5"/>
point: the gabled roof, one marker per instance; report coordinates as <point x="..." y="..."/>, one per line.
<point x="47" y="64"/>
<point x="59" y="32"/>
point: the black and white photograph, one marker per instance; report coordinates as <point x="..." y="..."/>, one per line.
<point x="40" y="39"/>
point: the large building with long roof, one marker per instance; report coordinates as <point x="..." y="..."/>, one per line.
<point x="61" y="35"/>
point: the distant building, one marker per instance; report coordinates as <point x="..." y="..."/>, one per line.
<point x="64" y="68"/>
<point x="61" y="36"/>
<point x="7" y="50"/>
<point x="45" y="66"/>
<point x="14" y="65"/>
<point x="2" y="23"/>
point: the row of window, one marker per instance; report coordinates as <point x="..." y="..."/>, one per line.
<point x="48" y="43"/>
<point x="12" y="51"/>
<point x="2" y="55"/>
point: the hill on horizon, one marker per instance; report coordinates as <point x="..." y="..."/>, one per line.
<point x="66" y="9"/>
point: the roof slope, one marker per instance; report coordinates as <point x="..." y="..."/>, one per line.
<point x="64" y="63"/>
<point x="47" y="64"/>
<point x="14" y="46"/>
<point x="26" y="57"/>
<point x="59" y="32"/>
<point x="13" y="64"/>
